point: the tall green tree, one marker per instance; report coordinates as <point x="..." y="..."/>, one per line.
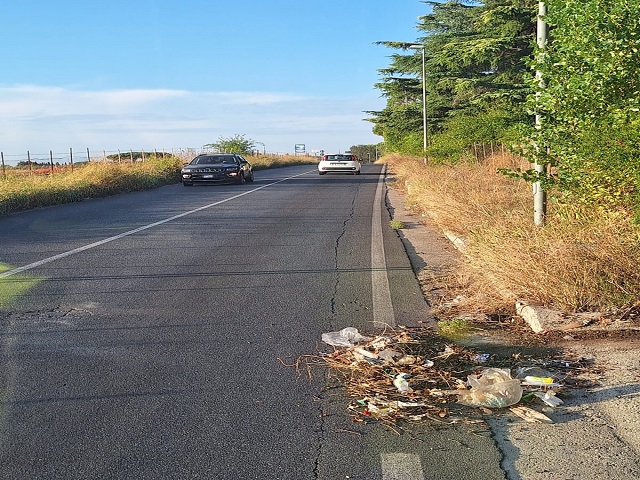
<point x="367" y="153"/>
<point x="235" y="144"/>
<point x="476" y="62"/>
<point x="590" y="106"/>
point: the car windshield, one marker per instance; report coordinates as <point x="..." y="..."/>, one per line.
<point x="339" y="157"/>
<point x="208" y="160"/>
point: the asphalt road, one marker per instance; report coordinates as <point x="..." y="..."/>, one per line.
<point x="147" y="335"/>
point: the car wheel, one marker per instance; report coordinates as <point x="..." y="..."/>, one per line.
<point x="322" y="173"/>
<point x="358" y="172"/>
<point x="250" y="179"/>
<point x="241" y="179"/>
<point x="187" y="184"/>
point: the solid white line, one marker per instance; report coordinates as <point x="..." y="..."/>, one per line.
<point x="14" y="271"/>
<point x="401" y="466"/>
<point x="382" y="306"/>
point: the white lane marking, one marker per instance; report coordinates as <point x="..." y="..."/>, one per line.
<point x="382" y="307"/>
<point x="401" y="466"/>
<point x="24" y="268"/>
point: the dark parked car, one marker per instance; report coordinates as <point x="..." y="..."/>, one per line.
<point x="217" y="168"/>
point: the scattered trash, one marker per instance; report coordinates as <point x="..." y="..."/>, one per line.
<point x="448" y="350"/>
<point x="389" y="355"/>
<point x="362" y="354"/>
<point x="401" y="383"/>
<point x="530" y="415"/>
<point x="539" y="381"/>
<point x="536" y="377"/>
<point x="347" y="337"/>
<point x="380" y="342"/>
<point x="407" y="360"/>
<point x="482" y="358"/>
<point x="493" y="388"/>
<point x="416" y="375"/>
<point x="549" y="398"/>
<point x="522" y="372"/>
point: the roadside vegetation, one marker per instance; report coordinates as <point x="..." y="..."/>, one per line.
<point x="22" y="189"/>
<point x="499" y="105"/>
<point x="584" y="259"/>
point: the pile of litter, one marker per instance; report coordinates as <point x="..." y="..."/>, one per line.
<point x="413" y="374"/>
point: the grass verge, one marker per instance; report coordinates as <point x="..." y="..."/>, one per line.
<point x="582" y="260"/>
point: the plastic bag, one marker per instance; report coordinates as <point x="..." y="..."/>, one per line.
<point x="347" y="337"/>
<point x="493" y="388"/>
<point x="400" y="382"/>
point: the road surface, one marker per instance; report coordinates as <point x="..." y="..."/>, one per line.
<point x="146" y="335"/>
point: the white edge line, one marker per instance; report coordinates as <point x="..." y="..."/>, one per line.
<point x="381" y="294"/>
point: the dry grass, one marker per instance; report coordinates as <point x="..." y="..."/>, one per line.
<point x="96" y="179"/>
<point x="582" y="260"/>
<point x="272" y="161"/>
<point x="22" y="190"/>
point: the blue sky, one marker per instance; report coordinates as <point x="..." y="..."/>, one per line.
<point x="163" y="74"/>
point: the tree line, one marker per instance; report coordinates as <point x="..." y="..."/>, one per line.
<point x="481" y="60"/>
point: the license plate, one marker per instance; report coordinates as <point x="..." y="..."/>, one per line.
<point x="210" y="176"/>
<point x="337" y="163"/>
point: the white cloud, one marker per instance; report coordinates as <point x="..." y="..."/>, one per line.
<point x="40" y="118"/>
<point x="26" y="100"/>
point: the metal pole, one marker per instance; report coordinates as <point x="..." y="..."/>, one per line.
<point x="4" y="172"/>
<point x="424" y="107"/>
<point x="539" y="194"/>
<point x="424" y="100"/>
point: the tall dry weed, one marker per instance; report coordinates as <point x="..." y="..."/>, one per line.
<point x="579" y="261"/>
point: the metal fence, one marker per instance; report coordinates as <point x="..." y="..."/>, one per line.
<point x="52" y="162"/>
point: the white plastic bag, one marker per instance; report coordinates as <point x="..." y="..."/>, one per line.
<point x="347" y="337"/>
<point x="493" y="388"/>
<point x="400" y="382"/>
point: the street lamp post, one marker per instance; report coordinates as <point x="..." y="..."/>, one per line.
<point x="264" y="149"/>
<point x="539" y="193"/>
<point x="424" y="101"/>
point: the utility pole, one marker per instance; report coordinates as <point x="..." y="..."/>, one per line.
<point x="424" y="100"/>
<point x="539" y="194"/>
